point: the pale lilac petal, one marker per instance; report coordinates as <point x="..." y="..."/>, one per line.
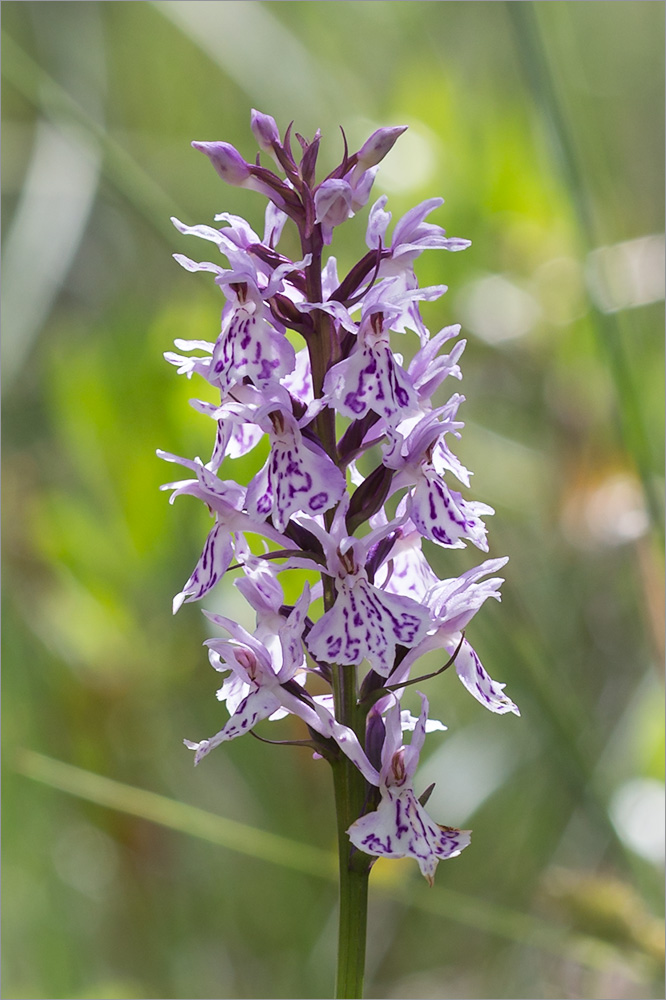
<point x="378" y="221"/>
<point x="413" y="751"/>
<point x="257" y="705"/>
<point x="212" y="565"/>
<point x="407" y="571"/>
<point x="454" y="602"/>
<point x="299" y="382"/>
<point x="408" y="723"/>
<point x="478" y="682"/>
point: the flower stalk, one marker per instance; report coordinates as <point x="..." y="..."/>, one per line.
<point x="320" y="500"/>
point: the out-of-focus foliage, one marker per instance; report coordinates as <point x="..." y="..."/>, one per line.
<point x="542" y="126"/>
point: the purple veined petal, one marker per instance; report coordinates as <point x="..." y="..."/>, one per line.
<point x="366" y="623"/>
<point x="250" y="346"/>
<point x="442" y="515"/>
<point x="443" y="460"/>
<point x="302" y="480"/>
<point x="257" y="705"/>
<point x="212" y="565"/>
<point x="370" y="379"/>
<point x="297" y="477"/>
<point x="400" y="827"/>
<point x="259" y="497"/>
<point x="244" y="438"/>
<point x="478" y="682"/>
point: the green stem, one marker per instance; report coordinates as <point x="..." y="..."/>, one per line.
<point x="354" y="873"/>
<point x="354" y="866"/>
<point x="349" y="783"/>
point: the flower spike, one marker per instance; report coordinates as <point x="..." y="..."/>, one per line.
<point x="347" y="463"/>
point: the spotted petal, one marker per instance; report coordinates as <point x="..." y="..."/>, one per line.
<point x="366" y="622"/>
<point x="370" y="379"/>
<point x="400" y="828"/>
<point x="250" y="346"/>
<point x="213" y="563"/>
<point x="442" y="515"/>
<point x="296" y="477"/>
<point x="478" y="681"/>
<point x="257" y="705"/>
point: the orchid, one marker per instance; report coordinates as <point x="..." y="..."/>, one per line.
<point x="307" y="360"/>
<point x="400" y="827"/>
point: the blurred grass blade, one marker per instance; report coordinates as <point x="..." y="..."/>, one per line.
<point x="221" y="31"/>
<point x="479" y="914"/>
<point x="633" y="430"/>
<point x="179" y="816"/>
<point x="119" y="166"/>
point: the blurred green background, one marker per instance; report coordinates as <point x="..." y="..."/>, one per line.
<point x="542" y="126"/>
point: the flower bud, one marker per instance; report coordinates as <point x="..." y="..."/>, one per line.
<point x="227" y="161"/>
<point x="264" y="130"/>
<point x="378" y="145"/>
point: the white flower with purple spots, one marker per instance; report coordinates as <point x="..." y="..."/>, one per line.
<point x="298" y="474"/>
<point x="355" y="489"/>
<point x="400" y="827"/>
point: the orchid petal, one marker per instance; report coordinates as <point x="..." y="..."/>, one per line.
<point x="400" y="827"/>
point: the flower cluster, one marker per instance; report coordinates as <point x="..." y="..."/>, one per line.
<point x="333" y="397"/>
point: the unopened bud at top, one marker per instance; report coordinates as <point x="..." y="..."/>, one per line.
<point x="227" y="161"/>
<point x="265" y="130"/>
<point x="378" y="145"/>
